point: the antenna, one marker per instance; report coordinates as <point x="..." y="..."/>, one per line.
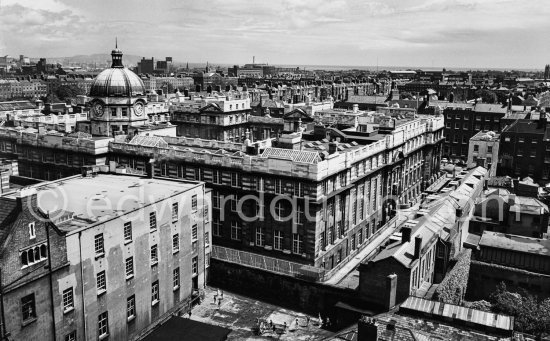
<point x="116" y="42"/>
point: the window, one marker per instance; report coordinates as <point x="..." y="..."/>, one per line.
<point x="128" y="231"/>
<point x="34" y="255"/>
<point x="98" y="242"/>
<point x="297" y="244"/>
<point x="155" y="293"/>
<point x="27" y="307"/>
<point x="278" y="186"/>
<point x="235" y="231"/>
<point x="153" y="220"/>
<point x="154" y="255"/>
<point x="129" y="267"/>
<point x="205" y="214"/>
<point x="489" y="149"/>
<point x="476" y="148"/>
<point x="176" y="278"/>
<point x="32" y="231"/>
<point x="260" y="236"/>
<point x="206" y="239"/>
<point x="217" y="228"/>
<point x="215" y="199"/>
<point x="234" y="202"/>
<point x="71" y="336"/>
<point x="194" y="202"/>
<point x="278" y="240"/>
<point x="521" y="140"/>
<point x="175" y="211"/>
<point x="299" y="189"/>
<point x="279" y="211"/>
<point x="195" y="265"/>
<point x="194" y="233"/>
<point x="101" y="282"/>
<point x="175" y="243"/>
<point x="68" y="302"/>
<point x="103" y="324"/>
<point x="234" y="179"/>
<point x="131" y="308"/>
<point x="216" y="176"/>
<point x="299" y="214"/>
<point x="259" y="184"/>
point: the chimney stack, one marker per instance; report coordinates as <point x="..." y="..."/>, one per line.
<point x="405" y="234"/>
<point x="332" y="147"/>
<point x="367" y="329"/>
<point x="417" y="246"/>
<point x="150" y="168"/>
<point x="355" y="108"/>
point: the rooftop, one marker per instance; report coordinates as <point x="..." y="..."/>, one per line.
<point x="95" y="199"/>
<point x="515" y="243"/>
<point x="425" y="320"/>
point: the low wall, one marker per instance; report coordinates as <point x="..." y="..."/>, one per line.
<point x="293" y="293"/>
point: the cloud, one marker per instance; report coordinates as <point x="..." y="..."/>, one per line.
<point x="352" y="32"/>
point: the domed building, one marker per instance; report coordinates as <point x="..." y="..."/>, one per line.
<point x="118" y="100"/>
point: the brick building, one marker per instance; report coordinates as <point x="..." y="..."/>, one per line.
<point x="88" y="270"/>
<point x="463" y="121"/>
<point x="411" y="265"/>
<point x="483" y="151"/>
<point x="525" y="150"/>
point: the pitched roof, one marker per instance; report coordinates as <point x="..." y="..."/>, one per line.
<point x="149" y="141"/>
<point x="515" y="243"/>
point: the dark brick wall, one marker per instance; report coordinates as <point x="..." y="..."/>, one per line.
<point x="373" y="279"/>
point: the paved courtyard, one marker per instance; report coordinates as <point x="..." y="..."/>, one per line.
<point x="241" y="314"/>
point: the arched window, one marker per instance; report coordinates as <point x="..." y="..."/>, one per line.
<point x="37" y="254"/>
<point x="43" y="251"/>
<point x="24" y="260"/>
<point x="30" y="255"/>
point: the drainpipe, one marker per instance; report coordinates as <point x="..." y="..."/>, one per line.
<point x="82" y="283"/>
<point x="50" y="276"/>
<point x="4" y="334"/>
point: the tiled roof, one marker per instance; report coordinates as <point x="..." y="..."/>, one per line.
<point x="7" y="206"/>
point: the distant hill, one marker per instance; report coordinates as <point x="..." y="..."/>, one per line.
<point x="99" y="58"/>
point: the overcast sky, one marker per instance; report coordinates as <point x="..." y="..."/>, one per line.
<point x="446" y="33"/>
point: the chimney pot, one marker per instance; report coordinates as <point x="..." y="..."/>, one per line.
<point x="417" y="246"/>
<point x="405" y="234"/>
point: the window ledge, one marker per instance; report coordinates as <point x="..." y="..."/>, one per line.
<point x="176" y="287"/>
<point x="154" y="303"/>
<point x="129" y="277"/>
<point x="126" y="242"/>
<point x="103" y="336"/>
<point x="131" y="318"/>
<point x="175" y="251"/>
<point x="153" y="230"/>
<point x="68" y="310"/>
<point x="28" y="321"/>
<point x="99" y="255"/>
<point x="154" y="263"/>
<point x="101" y="292"/>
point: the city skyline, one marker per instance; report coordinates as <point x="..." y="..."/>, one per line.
<point x="461" y="33"/>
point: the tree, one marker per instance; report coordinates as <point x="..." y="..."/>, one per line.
<point x="405" y="95"/>
<point x="487" y="96"/>
<point x="62" y="92"/>
<point x="168" y="86"/>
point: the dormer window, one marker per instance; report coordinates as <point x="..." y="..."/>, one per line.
<point x="32" y="231"/>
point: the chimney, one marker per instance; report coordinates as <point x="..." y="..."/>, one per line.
<point x="391" y="291"/>
<point x="355" y="108"/>
<point x="405" y="234"/>
<point x="150" y="168"/>
<point x="512" y="199"/>
<point x="332" y="147"/>
<point x="417" y="246"/>
<point x="367" y="329"/>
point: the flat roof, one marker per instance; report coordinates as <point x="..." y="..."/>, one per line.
<point x="95" y="199"/>
<point x="179" y="328"/>
<point x="515" y="243"/>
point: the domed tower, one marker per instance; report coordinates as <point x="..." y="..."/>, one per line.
<point x="118" y="99"/>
